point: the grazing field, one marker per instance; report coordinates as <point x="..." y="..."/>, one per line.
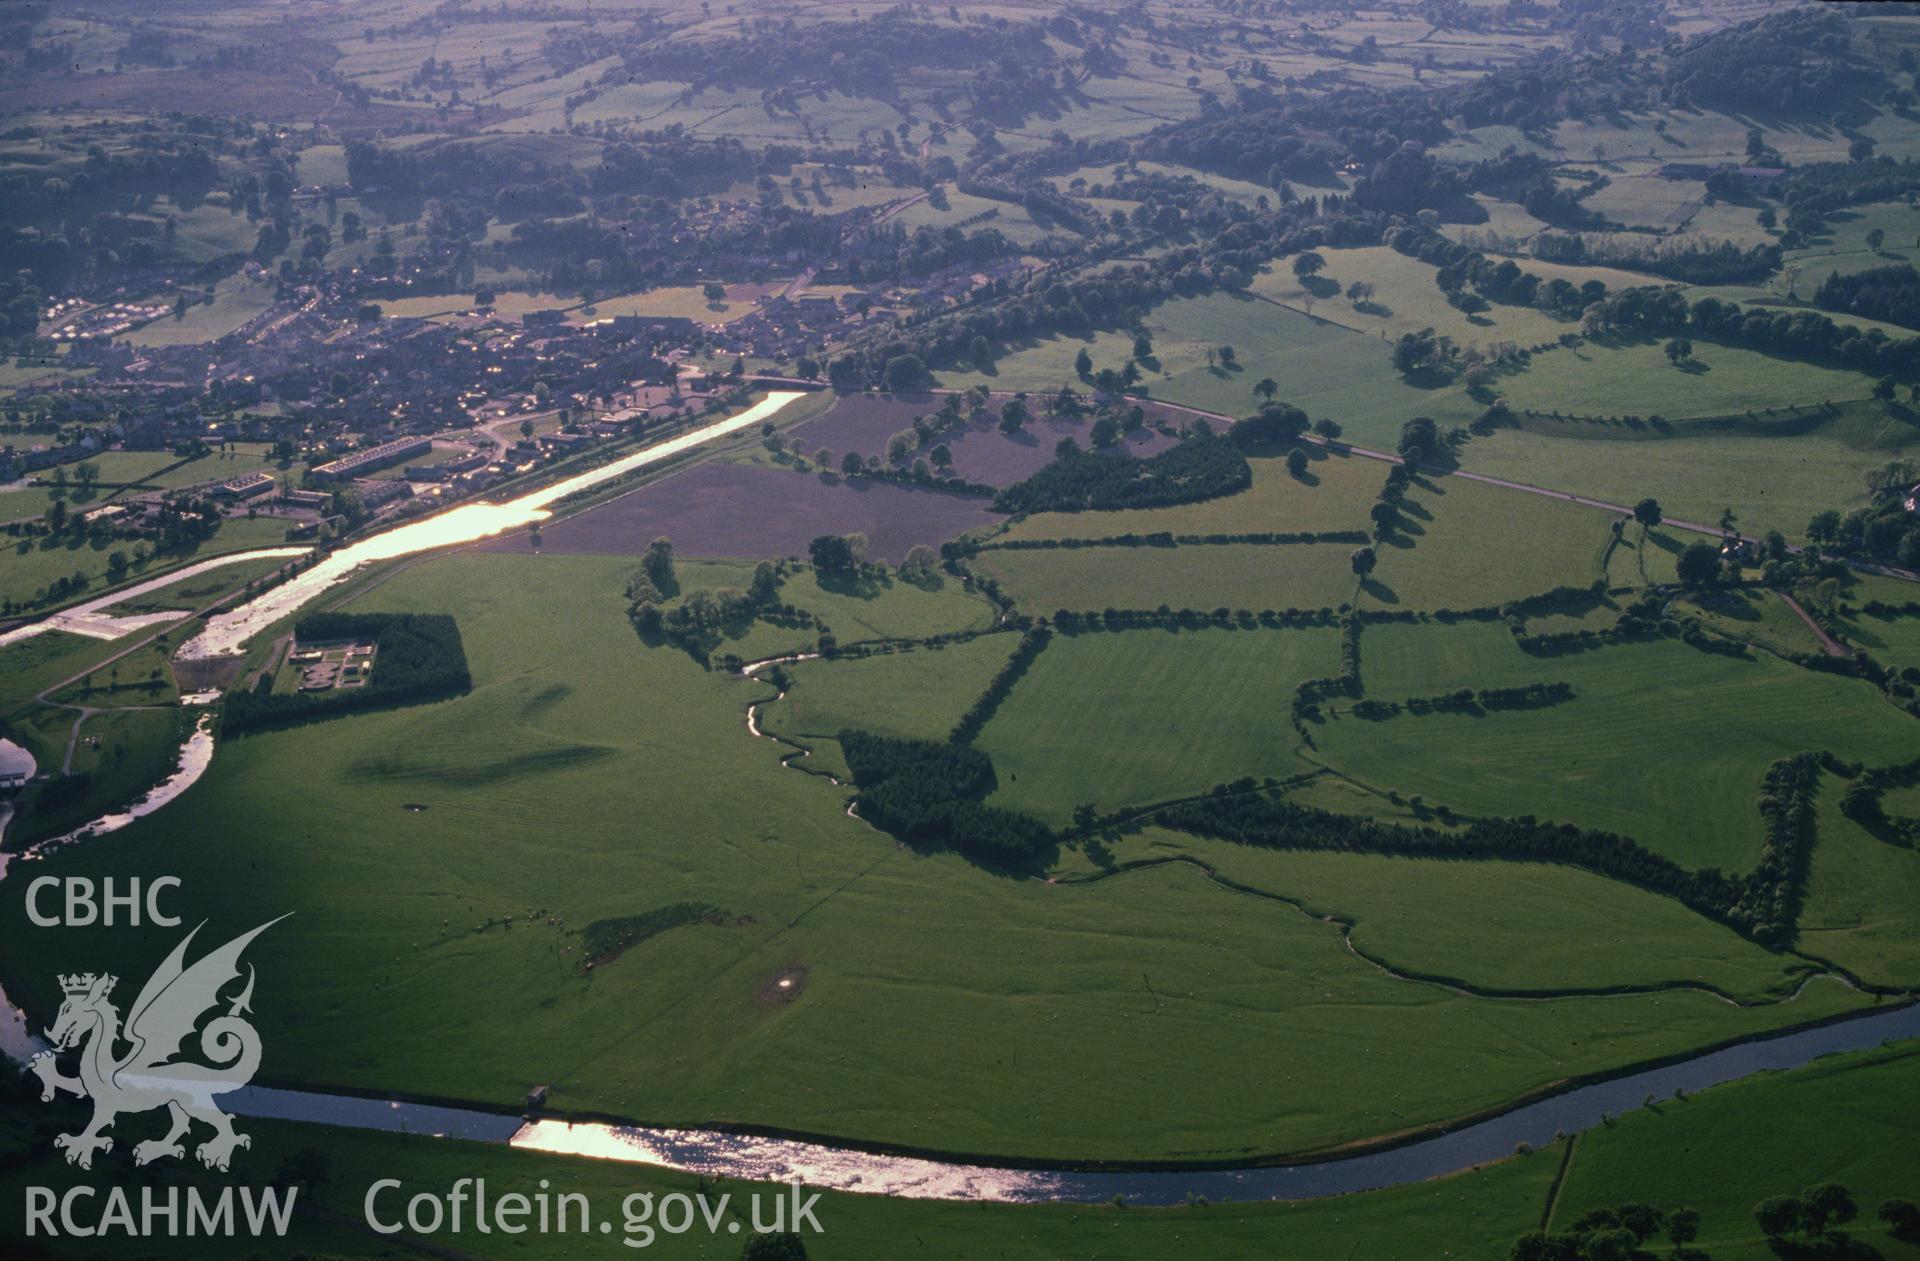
<point x="122" y="751"/>
<point x="1863" y="894"/>
<point x="235" y="301"/>
<point x="1329" y="371"/>
<point x="529" y="789"/>
<point x="1772" y="482"/>
<point x="1334" y="496"/>
<point x="28" y="565"/>
<point x="1892" y="639"/>
<point x="915" y="695"/>
<point x="1405" y="300"/>
<point x="1463" y="544"/>
<point x="1662" y="743"/>
<point x="1635" y="379"/>
<point x="750" y="512"/>
<point x="1722" y="1151"/>
<point x="1498" y="926"/>
<point x="1753" y="615"/>
<point x="1233" y="576"/>
<point x="1133" y="717"/>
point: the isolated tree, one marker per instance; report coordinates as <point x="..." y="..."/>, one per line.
<point x="1360" y="292"/>
<point x="1884" y="388"/>
<point x="824" y="457"/>
<point x="1297" y="462"/>
<point x="1227" y="356"/>
<point x="1013" y="414"/>
<point x="714" y="291"/>
<point x="526" y="429"/>
<point x="780" y="1247"/>
<point x="1142" y="346"/>
<point x="1875" y="239"/>
<point x="1309" y="263"/>
<point x="1699" y="565"/>
<point x="851" y="464"/>
<point x="1083" y="363"/>
<point x="1267" y="388"/>
<point x="1683" y="1227"/>
<point x="1679" y="350"/>
<point x="1363" y="561"/>
<point x="1647" y="513"/>
<point x="905" y="372"/>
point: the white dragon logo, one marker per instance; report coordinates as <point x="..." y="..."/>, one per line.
<point x="167" y="1012"/>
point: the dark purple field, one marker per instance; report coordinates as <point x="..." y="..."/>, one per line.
<point x="753" y="513"/>
<point x="863" y="423"/>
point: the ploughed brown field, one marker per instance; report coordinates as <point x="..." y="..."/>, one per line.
<point x="754" y="513"/>
<point x="864" y="423"/>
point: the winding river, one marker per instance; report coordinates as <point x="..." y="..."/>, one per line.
<point x="753" y="1157"/>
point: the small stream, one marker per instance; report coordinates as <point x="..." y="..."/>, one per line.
<point x="825" y="1165"/>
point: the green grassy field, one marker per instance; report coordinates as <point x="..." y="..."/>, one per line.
<point x="607" y="779"/>
<point x="1863" y="894"/>
<point x="1405" y="300"/>
<point x="1757" y="617"/>
<point x="1337" y="496"/>
<point x="1506" y="927"/>
<point x="1635" y="379"/>
<point x="915" y="695"/>
<point x="1771" y="481"/>
<point x="1723" y="1151"/>
<point x="1466" y="544"/>
<point x="235" y="301"/>
<point x="1234" y="576"/>
<point x="1331" y="372"/>
<point x="27" y="565"/>
<point x="1893" y="640"/>
<point x="1663" y="743"/>
<point x="1141" y="716"/>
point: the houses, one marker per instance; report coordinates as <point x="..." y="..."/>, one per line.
<point x="245" y="486"/>
<point x="360" y="463"/>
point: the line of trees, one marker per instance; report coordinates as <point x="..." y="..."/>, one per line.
<point x="1031" y="645"/>
<point x="1468" y="701"/>
<point x="1166" y="538"/>
<point x="1202" y="467"/>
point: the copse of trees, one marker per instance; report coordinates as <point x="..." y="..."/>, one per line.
<point x="1274" y="426"/>
<point x="929" y="795"/>
<point x="417" y="657"/>
<point x="1202" y="467"/>
<point x="1879" y="293"/>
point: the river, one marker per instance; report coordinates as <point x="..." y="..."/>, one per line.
<point x="824" y="1165"/>
<point x="227" y="633"/>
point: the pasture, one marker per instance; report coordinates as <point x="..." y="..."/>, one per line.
<point x="589" y="764"/>
<point x="1863" y="893"/>
<point x="1210" y="576"/>
<point x="1329" y="371"/>
<point x="1133" y="717"/>
<point x="1635" y="379"/>
<point x="1499" y="926"/>
<point x="1463" y="544"/>
<point x="1335" y="496"/>
<point x="1662" y="742"/>
<point x="1772" y="481"/>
